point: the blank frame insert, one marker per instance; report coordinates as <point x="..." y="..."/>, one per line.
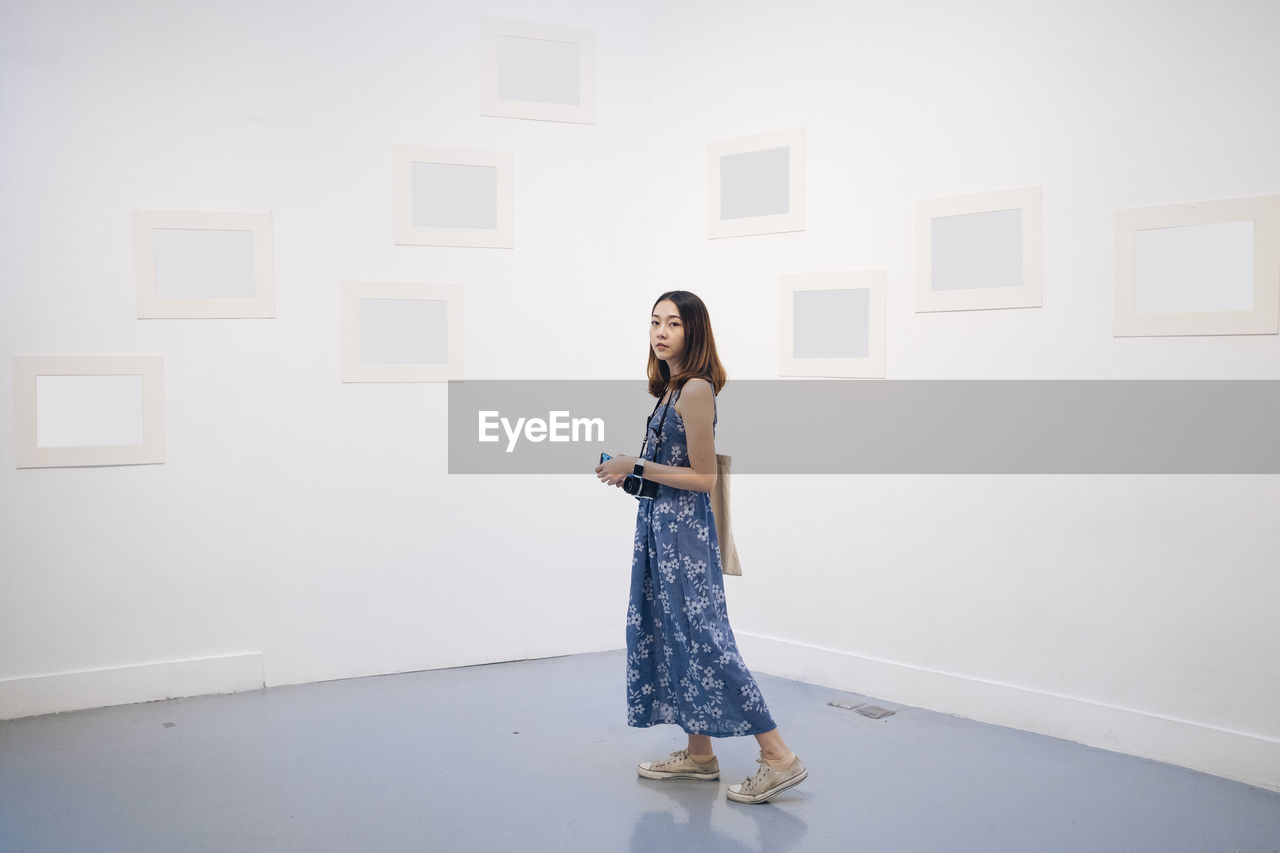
<point x="832" y="324"/>
<point x="401" y="332"/>
<point x="979" y="251"/>
<point x="453" y="197"/>
<point x="88" y="410"/>
<point x="1211" y="268"/>
<point x="203" y="264"/>
<point x="755" y="184"/>
<point x="538" y="71"/>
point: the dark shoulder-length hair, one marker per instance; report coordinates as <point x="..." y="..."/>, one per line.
<point x="700" y="359"/>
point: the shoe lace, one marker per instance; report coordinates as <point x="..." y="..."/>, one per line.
<point x="676" y="757"/>
<point x="751" y="782"/>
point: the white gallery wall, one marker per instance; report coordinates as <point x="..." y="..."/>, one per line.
<point x="302" y="528"/>
<point x="1135" y="613"/>
<point x="299" y="521"/>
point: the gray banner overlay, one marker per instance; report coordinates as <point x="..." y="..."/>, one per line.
<point x="774" y="426"/>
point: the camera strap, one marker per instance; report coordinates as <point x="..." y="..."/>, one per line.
<point x="662" y="422"/>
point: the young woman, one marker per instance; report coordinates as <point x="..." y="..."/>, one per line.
<point x="683" y="664"/>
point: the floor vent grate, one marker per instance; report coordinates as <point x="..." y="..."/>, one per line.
<point x="875" y="712"/>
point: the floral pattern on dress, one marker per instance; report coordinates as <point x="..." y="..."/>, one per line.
<point x="683" y="663"/>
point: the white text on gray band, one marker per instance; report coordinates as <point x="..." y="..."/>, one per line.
<point x="558" y="427"/>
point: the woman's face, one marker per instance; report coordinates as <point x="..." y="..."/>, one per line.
<point x="666" y="332"/>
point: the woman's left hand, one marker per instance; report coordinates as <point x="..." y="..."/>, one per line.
<point x="613" y="471"/>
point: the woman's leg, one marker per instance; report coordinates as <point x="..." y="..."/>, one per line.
<point x="700" y="747"/>
<point x="773" y="748"/>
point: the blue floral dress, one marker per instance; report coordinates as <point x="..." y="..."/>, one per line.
<point x="683" y="664"/>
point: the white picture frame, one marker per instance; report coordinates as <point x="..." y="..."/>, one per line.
<point x="1256" y="290"/>
<point x="81" y="410"/>
<point x="528" y="71"/>
<point x="867" y="360"/>
<point x="440" y="207"/>
<point x="203" y="264"/>
<point x="358" y="295"/>
<point x="756" y="184"/>
<point x="980" y="251"/>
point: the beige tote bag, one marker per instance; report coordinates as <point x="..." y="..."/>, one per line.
<point x="720" y="509"/>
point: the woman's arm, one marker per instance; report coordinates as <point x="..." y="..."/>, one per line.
<point x="697" y="409"/>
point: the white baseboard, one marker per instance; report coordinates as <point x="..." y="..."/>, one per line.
<point x="123" y="685"/>
<point x="1242" y="756"/>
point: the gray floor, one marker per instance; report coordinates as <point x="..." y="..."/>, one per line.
<point x="535" y="756"/>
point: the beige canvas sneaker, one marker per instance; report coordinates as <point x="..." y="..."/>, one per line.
<point x="767" y="782"/>
<point x="680" y="765"/>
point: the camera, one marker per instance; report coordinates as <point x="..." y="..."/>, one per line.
<point x="634" y="485"/>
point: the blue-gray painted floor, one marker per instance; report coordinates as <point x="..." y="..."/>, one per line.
<point x="535" y="756"/>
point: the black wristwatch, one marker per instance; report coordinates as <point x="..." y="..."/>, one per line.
<point x="639" y="469"/>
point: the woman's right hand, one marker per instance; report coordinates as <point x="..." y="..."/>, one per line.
<point x="613" y="471"/>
